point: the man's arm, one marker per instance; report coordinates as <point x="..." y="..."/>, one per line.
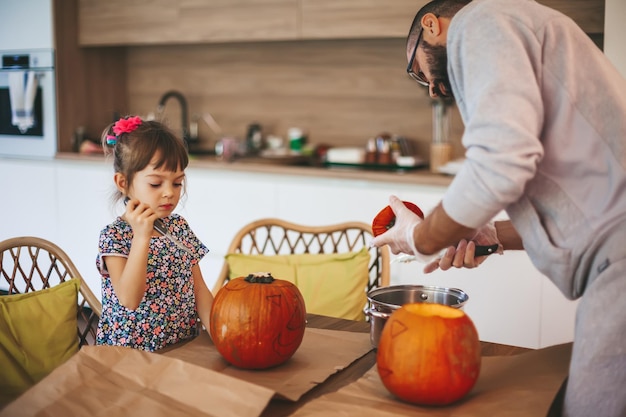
<point x="438" y="231"/>
<point x="508" y="236"/>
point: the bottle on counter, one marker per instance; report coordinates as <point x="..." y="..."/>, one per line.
<point x="78" y="138"/>
<point x="383" y="146"/>
<point x="296" y="139"/>
<point x="395" y="150"/>
<point x="440" y="148"/>
<point x="371" y="156"/>
<point x="254" y="139"/>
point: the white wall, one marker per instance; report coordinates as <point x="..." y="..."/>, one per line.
<point x="615" y="33"/>
<point x="26" y="24"/>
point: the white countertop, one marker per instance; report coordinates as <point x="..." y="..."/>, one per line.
<point x="257" y="165"/>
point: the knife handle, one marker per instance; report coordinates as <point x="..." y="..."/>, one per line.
<point x="485" y="250"/>
<point x="158" y="223"/>
<point x="160" y="227"/>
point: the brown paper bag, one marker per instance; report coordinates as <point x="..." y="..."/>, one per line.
<point x="190" y="379"/>
<point x="117" y="381"/>
<point x="514" y="386"/>
<point x="321" y="354"/>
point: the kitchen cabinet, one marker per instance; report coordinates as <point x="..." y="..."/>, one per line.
<point x="147" y="22"/>
<point x="91" y="82"/>
<point x="68" y="202"/>
<point x="152" y="22"/>
<point x="327" y="19"/>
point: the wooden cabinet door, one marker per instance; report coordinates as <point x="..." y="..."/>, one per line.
<point x="146" y="22"/>
<point x="329" y="19"/>
<point x="324" y="19"/>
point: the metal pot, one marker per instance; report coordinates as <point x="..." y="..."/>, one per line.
<point x="385" y="300"/>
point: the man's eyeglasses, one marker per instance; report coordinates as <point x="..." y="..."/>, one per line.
<point x="419" y="76"/>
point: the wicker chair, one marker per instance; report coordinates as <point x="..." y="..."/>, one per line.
<point x="32" y="263"/>
<point x="278" y="237"/>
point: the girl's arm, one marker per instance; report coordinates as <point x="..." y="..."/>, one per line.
<point x="204" y="298"/>
<point x="128" y="275"/>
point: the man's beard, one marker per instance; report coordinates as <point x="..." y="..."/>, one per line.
<point x="437" y="60"/>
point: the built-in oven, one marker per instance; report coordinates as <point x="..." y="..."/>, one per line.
<point x="28" y="116"/>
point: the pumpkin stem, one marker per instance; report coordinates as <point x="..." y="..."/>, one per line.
<point x="260" y="277"/>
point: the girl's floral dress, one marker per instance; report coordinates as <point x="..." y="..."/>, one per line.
<point x="167" y="313"/>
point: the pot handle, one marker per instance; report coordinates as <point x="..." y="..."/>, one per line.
<point x="377" y="314"/>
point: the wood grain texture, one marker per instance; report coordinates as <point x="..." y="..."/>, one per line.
<point x="323" y="19"/>
<point x="120" y="22"/>
<point x="340" y="92"/>
<point x="145" y="22"/>
<point x="91" y="83"/>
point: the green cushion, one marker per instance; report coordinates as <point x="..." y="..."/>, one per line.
<point x="331" y="284"/>
<point x="37" y="334"/>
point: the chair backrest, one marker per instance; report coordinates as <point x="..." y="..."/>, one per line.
<point x="31" y="263"/>
<point x="272" y="236"/>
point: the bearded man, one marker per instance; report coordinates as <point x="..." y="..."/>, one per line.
<point x="544" y="114"/>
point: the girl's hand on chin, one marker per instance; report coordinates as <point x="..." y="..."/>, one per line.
<point x="140" y="217"/>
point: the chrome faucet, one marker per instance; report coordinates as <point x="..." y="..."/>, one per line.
<point x="183" y="109"/>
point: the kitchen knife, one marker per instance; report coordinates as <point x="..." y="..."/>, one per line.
<point x="485" y="250"/>
<point x="160" y="227"/>
<point x="481" y="250"/>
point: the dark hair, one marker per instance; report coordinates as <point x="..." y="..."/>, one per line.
<point x="440" y="8"/>
<point x="437" y="60"/>
<point x="133" y="151"/>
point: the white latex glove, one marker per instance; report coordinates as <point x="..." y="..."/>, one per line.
<point x="400" y="236"/>
<point x="463" y="255"/>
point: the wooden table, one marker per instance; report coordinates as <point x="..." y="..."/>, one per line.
<point x="276" y="407"/>
<point x="279" y="408"/>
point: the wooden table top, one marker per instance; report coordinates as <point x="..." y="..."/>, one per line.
<point x="357" y="369"/>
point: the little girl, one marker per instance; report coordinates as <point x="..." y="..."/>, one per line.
<point x="152" y="287"/>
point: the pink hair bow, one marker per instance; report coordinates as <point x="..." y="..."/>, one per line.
<point x="126" y="125"/>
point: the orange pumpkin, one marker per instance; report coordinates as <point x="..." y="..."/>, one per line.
<point x="257" y="322"/>
<point x="429" y="354"/>
<point x="386" y="218"/>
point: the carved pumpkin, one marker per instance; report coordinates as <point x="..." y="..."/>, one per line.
<point x="429" y="354"/>
<point x="385" y="219"/>
<point x="257" y="322"/>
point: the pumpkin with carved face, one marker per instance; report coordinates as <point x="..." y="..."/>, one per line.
<point x="429" y="354"/>
<point x="258" y="321"/>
